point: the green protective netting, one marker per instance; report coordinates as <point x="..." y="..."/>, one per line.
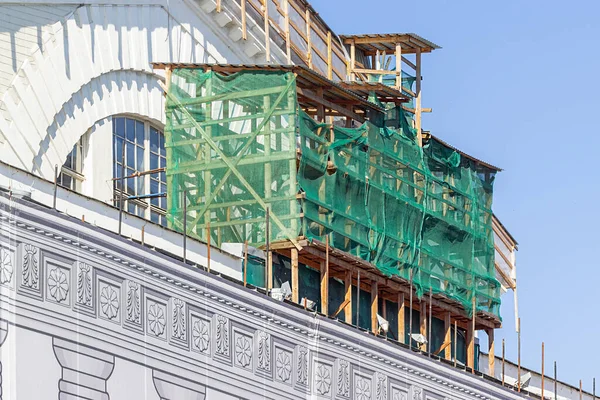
<point x="231" y="149"/>
<point x="232" y="144"/>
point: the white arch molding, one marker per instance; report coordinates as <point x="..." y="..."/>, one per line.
<point x="97" y="64"/>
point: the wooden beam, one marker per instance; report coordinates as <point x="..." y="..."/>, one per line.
<point x="295" y="281"/>
<point x="244" y="24"/>
<point x="352" y="61"/>
<point x="310" y="95"/>
<point x="401" y="317"/>
<point x="324" y="287"/>
<point x="409" y="63"/>
<point x="398" y="66"/>
<point x="447" y="335"/>
<point x="308" y="41"/>
<point x="418" y="99"/>
<point x="374" y="307"/>
<point x="348" y="296"/>
<point x="267" y="31"/>
<point x="470" y="339"/>
<point x="492" y="357"/>
<point x="329" y="62"/>
<point x="423" y="320"/>
<point x="288" y="41"/>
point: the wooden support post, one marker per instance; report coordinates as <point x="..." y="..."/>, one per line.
<point x="418" y="99"/>
<point x="447" y="335"/>
<point x="430" y="316"/>
<point x="329" y="62"/>
<point x="374" y="307"/>
<point x="580" y="391"/>
<point x="324" y="288"/>
<point x="398" y="66"/>
<point x="423" y="320"/>
<point x="218" y="6"/>
<point x="348" y="296"/>
<point x="401" y="318"/>
<point x="295" y="281"/>
<point x="470" y="347"/>
<point x="352" y="62"/>
<point x="288" y="42"/>
<point x="491" y="353"/>
<point x="244" y="25"/>
<point x="308" y="41"/>
<point x="358" y="299"/>
<point x="471" y="338"/>
<point x="267" y="31"/>
<point x="325" y="280"/>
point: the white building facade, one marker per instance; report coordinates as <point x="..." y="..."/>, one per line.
<point x="89" y="314"/>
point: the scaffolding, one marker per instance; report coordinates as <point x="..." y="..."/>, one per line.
<point x="323" y="174"/>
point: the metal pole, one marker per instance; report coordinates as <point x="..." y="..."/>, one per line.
<point x="208" y="245"/>
<point x="555" y="382"/>
<point x="594" y="388"/>
<point x="122" y="187"/>
<point x="184" y="226"/>
<point x="429" y="328"/>
<point x="503" y="359"/>
<point x="268" y="277"/>
<point x="245" y="263"/>
<point x="358" y="300"/>
<point x="542" y="370"/>
<point x="55" y="185"/>
<point x="455" y="342"/>
<point x="410" y="310"/>
<point x="519" y="358"/>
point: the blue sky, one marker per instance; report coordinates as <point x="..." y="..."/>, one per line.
<point x="517" y="84"/>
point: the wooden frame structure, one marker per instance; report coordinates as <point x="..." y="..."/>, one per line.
<point x="321" y="97"/>
<point x="374" y="56"/>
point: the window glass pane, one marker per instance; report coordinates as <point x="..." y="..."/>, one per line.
<point x="163" y="162"/>
<point x="140" y="185"/>
<point x="131" y="207"/>
<point x="163" y="151"/>
<point x="163" y="177"/>
<point x="153" y="161"/>
<point x="140" y="211"/>
<point x="154" y="190"/>
<point x="130" y="182"/>
<point x="130" y="149"/>
<point x="140" y="159"/>
<point x="154" y="140"/>
<point x="130" y="129"/>
<point x="139" y="132"/>
<point x="154" y="217"/>
<point x="119" y="126"/>
<point x="118" y="148"/>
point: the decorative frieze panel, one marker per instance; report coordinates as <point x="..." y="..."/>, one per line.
<point x="29" y="279"/>
<point x="7" y="266"/>
<point x="283" y="365"/>
<point x="109" y="300"/>
<point x="84" y="298"/>
<point x="133" y="305"/>
<point x="242" y="350"/>
<point x="222" y="335"/>
<point x="156" y="318"/>
<point x="201" y="334"/>
<point x="214" y="329"/>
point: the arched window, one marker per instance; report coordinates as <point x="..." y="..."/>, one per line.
<point x="145" y="194"/>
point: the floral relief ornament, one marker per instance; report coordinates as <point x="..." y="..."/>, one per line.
<point x="323" y="379"/>
<point x="399" y="395"/>
<point x="283" y="366"/>
<point x="156" y="319"/>
<point x="243" y="351"/>
<point x="6" y="266"/>
<point x="200" y="335"/>
<point x="57" y="284"/>
<point x="109" y="302"/>
<point x="362" y="389"/>
<point x="302" y="365"/>
<point x="222" y="335"/>
<point x="264" y="351"/>
<point x="179" y="319"/>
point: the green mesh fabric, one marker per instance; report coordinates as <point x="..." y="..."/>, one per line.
<point x="232" y="147"/>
